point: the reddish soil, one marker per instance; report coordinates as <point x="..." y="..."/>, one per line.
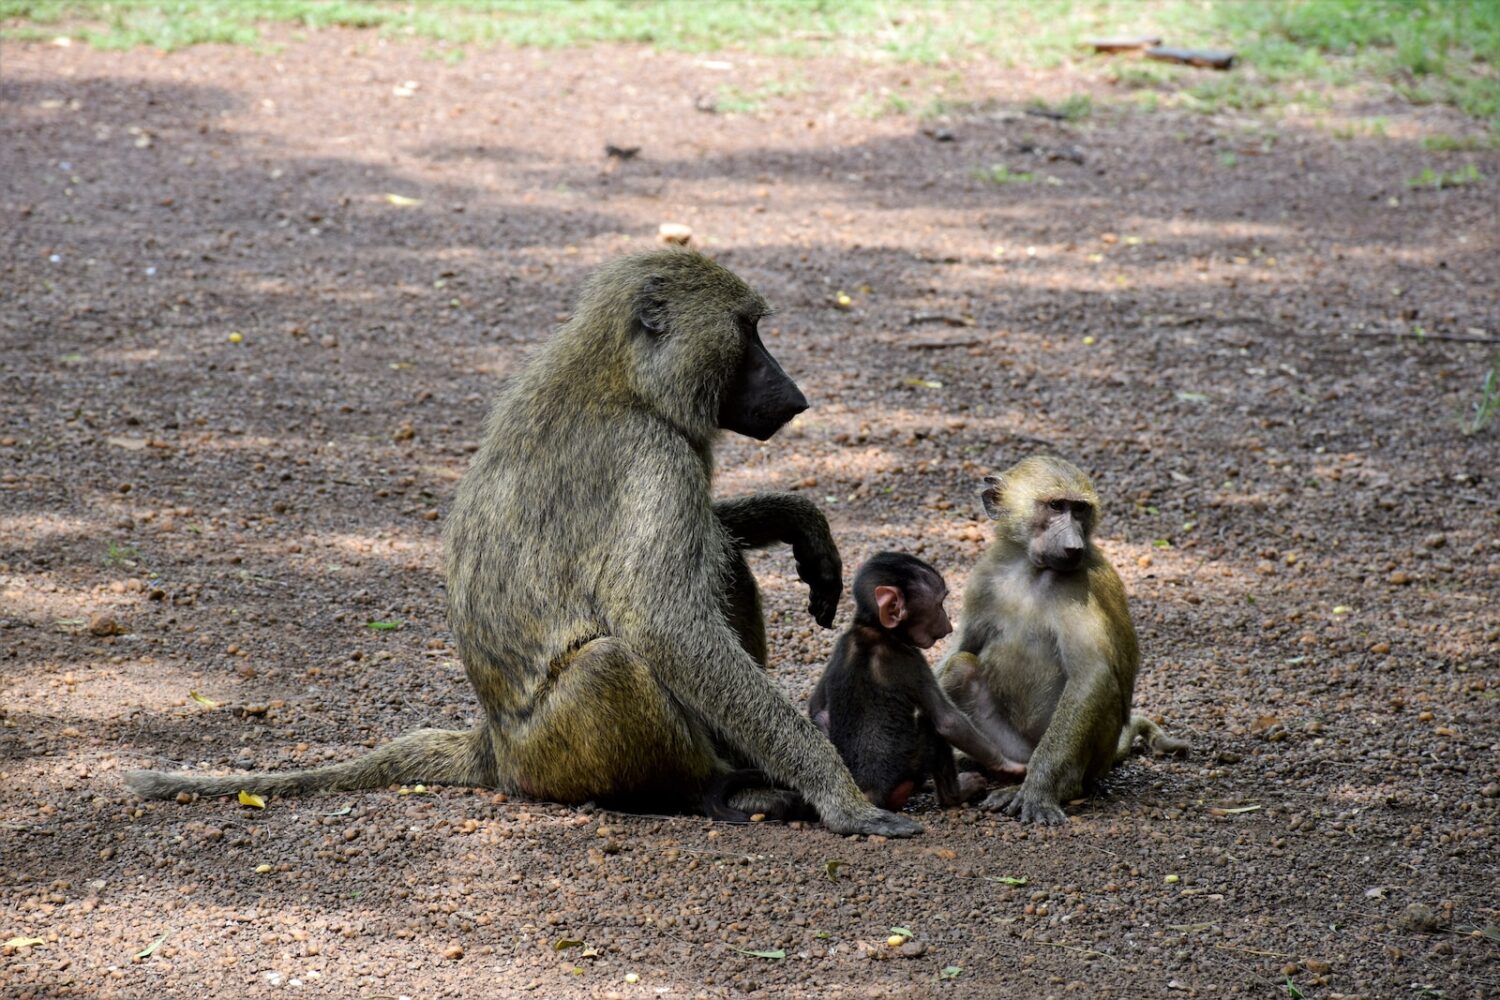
<point x="239" y="384"/>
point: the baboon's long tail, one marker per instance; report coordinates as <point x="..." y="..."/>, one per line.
<point x="439" y="756"/>
<point x="1156" y="738"/>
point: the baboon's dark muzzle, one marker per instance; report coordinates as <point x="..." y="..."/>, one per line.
<point x="761" y="398"/>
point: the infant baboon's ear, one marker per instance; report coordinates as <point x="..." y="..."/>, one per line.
<point x="651" y="307"/>
<point x="891" y="604"/>
<point x="990" y="496"/>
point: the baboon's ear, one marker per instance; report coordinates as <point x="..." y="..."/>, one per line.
<point x="891" y="604"/>
<point x="994" y="486"/>
<point x="651" y="307"/>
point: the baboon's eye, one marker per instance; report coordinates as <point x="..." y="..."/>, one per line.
<point x="1058" y="506"/>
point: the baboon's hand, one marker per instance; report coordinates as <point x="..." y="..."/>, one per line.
<point x="823" y="572"/>
<point x="872" y="821"/>
<point x="1027" y="805"/>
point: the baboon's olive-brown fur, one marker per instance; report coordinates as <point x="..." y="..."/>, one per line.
<point x="598" y="596"/>
<point x="1047" y="653"/>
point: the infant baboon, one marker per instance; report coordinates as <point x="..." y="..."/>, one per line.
<point x="1047" y="656"/>
<point x="877" y="698"/>
<point x="599" y="597"/>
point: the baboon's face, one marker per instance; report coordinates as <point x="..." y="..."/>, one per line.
<point x="1059" y="533"/>
<point x="904" y="596"/>
<point x="928" y="621"/>
<point x="698" y="352"/>
<point x="1048" y="506"/>
<point x="760" y="398"/>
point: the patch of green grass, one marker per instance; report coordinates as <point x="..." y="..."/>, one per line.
<point x="119" y="554"/>
<point x="734" y="101"/>
<point x="1438" y="179"/>
<point x="1225" y="91"/>
<point x="931" y="33"/>
<point x="730" y="99"/>
<point x="1430" y="51"/>
<point x="1073" y="109"/>
<point x="1312" y="99"/>
<point x="1442" y="51"/>
<point x="27" y="32"/>
<point x="1143" y="75"/>
<point x="942" y="107"/>
<point x="1368" y="127"/>
<point x="879" y="104"/>
<point x="1001" y="174"/>
<point x="1461" y="143"/>
<point x="451" y="57"/>
<point x="896" y="104"/>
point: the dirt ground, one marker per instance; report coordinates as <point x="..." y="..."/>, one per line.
<point x="240" y="381"/>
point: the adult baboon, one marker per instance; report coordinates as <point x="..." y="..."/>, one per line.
<point x="599" y="597"/>
<point x="1047" y="654"/>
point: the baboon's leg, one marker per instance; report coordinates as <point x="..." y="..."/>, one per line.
<point x="938" y="761"/>
<point x="739" y="795"/>
<point x="1079" y="745"/>
<point x="773" y="803"/>
<point x="952" y="788"/>
<point x="963" y="679"/>
<point x="742" y="606"/>
<point x="606" y="730"/>
<point x="723" y="788"/>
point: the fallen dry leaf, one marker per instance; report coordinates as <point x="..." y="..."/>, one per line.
<point x="150" y="949"/>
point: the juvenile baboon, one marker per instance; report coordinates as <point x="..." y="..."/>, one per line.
<point x="1047" y="655"/>
<point x="599" y="597"/>
<point x="878" y="700"/>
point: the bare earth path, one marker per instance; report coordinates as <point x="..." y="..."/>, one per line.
<point x="238" y="382"/>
